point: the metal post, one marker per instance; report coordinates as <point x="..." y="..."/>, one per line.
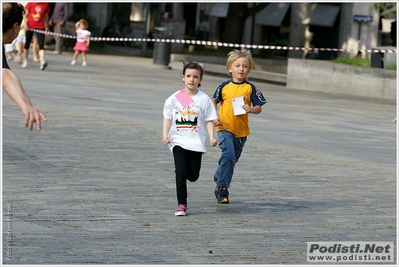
<point x="359" y="36"/>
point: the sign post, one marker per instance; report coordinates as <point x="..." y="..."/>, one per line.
<point x="361" y="19"/>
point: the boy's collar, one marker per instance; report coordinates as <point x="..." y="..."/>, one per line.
<point x="244" y="81"/>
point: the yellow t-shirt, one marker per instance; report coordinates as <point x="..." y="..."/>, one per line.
<point x="224" y="94"/>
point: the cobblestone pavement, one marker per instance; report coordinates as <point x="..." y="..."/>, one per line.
<point x="96" y="186"/>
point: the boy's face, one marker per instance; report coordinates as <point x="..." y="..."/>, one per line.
<point x="239" y="69"/>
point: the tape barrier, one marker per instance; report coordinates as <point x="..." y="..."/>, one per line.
<point x="210" y="43"/>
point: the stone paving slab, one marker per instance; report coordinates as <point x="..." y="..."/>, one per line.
<point x="96" y="186"/>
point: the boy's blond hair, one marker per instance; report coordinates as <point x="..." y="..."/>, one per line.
<point x="236" y="54"/>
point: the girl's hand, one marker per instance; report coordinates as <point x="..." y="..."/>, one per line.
<point x="165" y="141"/>
<point x="217" y="122"/>
<point x="214" y="142"/>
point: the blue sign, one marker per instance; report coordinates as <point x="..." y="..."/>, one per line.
<point x="362" y="18"/>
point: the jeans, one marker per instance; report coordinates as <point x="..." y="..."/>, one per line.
<point x="187" y="167"/>
<point x="231" y="147"/>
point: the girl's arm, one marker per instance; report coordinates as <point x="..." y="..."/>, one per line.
<point x="210" y="129"/>
<point x="215" y="104"/>
<point x="217" y="121"/>
<point x="165" y="129"/>
<point x="88" y="40"/>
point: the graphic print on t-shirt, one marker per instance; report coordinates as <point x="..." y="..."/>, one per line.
<point x="188" y="120"/>
<point x="36" y="16"/>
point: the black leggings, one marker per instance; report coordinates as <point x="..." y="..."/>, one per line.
<point x="40" y="39"/>
<point x="187" y="167"/>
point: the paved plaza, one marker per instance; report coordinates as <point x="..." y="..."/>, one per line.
<point x="96" y="185"/>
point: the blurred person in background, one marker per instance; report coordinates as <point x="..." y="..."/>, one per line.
<point x="12" y="19"/>
<point x="58" y="20"/>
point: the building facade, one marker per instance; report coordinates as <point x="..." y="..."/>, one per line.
<point x="347" y="25"/>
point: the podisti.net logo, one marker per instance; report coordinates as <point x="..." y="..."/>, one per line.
<point x="345" y="252"/>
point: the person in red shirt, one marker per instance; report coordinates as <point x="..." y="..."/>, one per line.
<point x="37" y="18"/>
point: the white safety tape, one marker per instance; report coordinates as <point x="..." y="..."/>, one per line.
<point x="210" y="43"/>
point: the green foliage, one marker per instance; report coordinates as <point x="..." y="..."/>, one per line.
<point x="386" y="10"/>
<point x="393" y="67"/>
<point x="362" y="62"/>
<point x="273" y="52"/>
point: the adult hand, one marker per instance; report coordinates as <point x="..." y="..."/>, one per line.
<point x="33" y="116"/>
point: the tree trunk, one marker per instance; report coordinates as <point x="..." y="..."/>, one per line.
<point x="235" y="21"/>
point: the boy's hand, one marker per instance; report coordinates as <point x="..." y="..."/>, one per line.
<point x="246" y="108"/>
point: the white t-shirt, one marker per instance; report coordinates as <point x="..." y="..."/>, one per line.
<point x="82" y="35"/>
<point x="188" y="128"/>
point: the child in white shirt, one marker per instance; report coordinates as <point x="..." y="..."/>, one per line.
<point x="188" y="116"/>
<point x="82" y="41"/>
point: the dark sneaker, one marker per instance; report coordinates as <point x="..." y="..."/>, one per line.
<point x="181" y="210"/>
<point x="217" y="188"/>
<point x="223" y="195"/>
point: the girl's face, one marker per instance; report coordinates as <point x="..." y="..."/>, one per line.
<point x="239" y="69"/>
<point x="192" y="78"/>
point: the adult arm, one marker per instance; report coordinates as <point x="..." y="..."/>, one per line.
<point x="65" y="13"/>
<point x="46" y="22"/>
<point x="13" y="86"/>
